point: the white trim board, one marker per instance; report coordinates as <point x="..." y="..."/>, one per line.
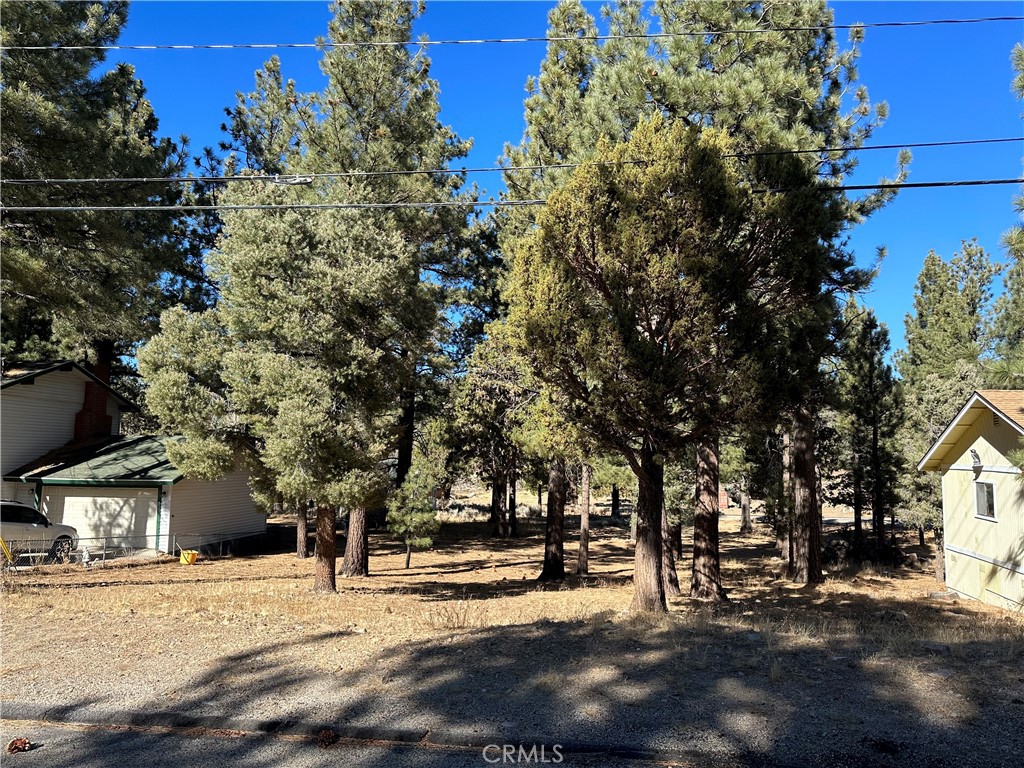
<point x="1019" y="569"/>
<point x="1004" y="597"/>
<point x="983" y="469"/>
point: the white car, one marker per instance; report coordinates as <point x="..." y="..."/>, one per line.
<point x="25" y="529"/>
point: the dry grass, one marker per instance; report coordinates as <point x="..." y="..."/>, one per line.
<point x="162" y="615"/>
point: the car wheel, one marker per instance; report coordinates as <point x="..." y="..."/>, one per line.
<point x="60" y="551"/>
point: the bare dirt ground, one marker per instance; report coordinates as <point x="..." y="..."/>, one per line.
<point x="863" y="670"/>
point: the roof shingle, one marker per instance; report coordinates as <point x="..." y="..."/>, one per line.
<point x="1009" y="402"/>
<point x="134" y="460"/>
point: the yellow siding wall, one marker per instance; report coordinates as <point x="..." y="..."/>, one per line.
<point x="984" y="558"/>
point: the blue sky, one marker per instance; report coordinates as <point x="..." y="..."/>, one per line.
<point x="941" y="82"/>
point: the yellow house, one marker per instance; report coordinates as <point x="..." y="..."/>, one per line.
<point x="983" y="497"/>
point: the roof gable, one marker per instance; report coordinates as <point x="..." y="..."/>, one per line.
<point x="29" y="372"/>
<point x="1008" y="403"/>
<point x="1005" y="403"/>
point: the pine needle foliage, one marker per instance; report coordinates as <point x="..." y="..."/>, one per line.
<point x="412" y="511"/>
<point x="74" y="280"/>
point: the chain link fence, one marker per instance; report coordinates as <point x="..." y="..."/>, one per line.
<point x="98" y="550"/>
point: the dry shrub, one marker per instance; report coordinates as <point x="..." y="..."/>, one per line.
<point x="454" y="615"/>
<point x="598" y="620"/>
<point x="638" y="625"/>
<point x="700" y="621"/>
<point x="531" y="511"/>
<point x="9" y="581"/>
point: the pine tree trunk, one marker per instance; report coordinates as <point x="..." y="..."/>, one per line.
<point x="326" y="550"/>
<point x="540" y="495"/>
<point x="513" y="518"/>
<point x="583" y="560"/>
<point x="495" y="515"/>
<point x="706" y="579"/>
<point x="669" y="575"/>
<point x="920" y="535"/>
<point x="676" y="532"/>
<point x="500" y="496"/>
<point x="940" y="555"/>
<point x="357" y="545"/>
<point x="648" y="590"/>
<point x="784" y="529"/>
<point x="408" y="554"/>
<point x="791" y="563"/>
<point x="406" y="435"/>
<point x="302" y="530"/>
<point x="877" y="510"/>
<point x="616" y="512"/>
<point x="858" y="501"/>
<point x="632" y="526"/>
<point x="746" y="521"/>
<point x="806" y="520"/>
<point x="554" y="534"/>
<point x="819" y="491"/>
<point x="781" y="536"/>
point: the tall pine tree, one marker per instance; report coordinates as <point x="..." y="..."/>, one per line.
<point x="635" y="318"/>
<point x="85" y="284"/>
<point x="325" y="316"/>
<point x="782" y="88"/>
<point x="940" y="365"/>
<point x="870" y="414"/>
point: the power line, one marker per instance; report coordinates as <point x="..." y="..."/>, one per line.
<point x="479" y="41"/>
<point x="904" y="185"/>
<point x="296" y="179"/>
<point x="272" y="206"/>
<point x="479" y="203"/>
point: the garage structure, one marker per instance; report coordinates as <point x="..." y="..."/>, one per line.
<point x="60" y="427"/>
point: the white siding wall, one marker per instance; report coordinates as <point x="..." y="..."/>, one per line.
<point x="221" y="508"/>
<point x="114" y="412"/>
<point x="104" y="512"/>
<point x="985" y="558"/>
<point x="38" y="417"/>
<point x="23" y="492"/>
<point x="164" y="524"/>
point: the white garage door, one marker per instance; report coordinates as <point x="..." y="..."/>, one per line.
<point x="126" y="514"/>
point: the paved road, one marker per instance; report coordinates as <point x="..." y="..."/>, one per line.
<point x="104" y="746"/>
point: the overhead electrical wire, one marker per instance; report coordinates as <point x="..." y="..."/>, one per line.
<point x="305" y="178"/>
<point x="468" y="204"/>
<point x="479" y="41"/>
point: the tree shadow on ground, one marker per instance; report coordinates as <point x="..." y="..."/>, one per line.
<point x="823" y="680"/>
<point x="780" y="676"/>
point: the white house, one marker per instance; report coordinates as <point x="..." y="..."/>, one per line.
<point x="983" y="497"/>
<point x="61" y="451"/>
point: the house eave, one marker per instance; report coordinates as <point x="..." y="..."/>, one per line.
<point x="30" y="378"/>
<point x="932" y="460"/>
<point x="67" y="481"/>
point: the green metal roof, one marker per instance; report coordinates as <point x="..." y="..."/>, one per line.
<point x="133" y="461"/>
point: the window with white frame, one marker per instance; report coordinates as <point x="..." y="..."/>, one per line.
<point x="985" y="500"/>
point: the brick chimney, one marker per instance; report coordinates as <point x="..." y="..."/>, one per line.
<point x="93" y="421"/>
